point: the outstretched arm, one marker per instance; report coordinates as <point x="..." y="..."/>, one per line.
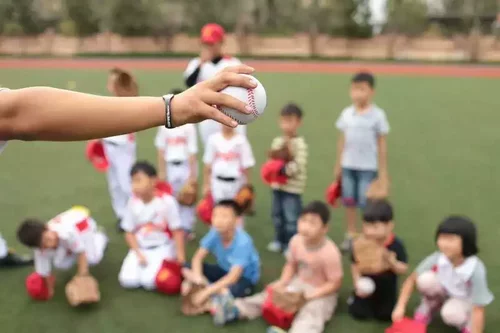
<point x="49" y="114"/>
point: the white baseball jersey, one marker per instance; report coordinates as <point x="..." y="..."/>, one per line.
<point x="228" y="157"/>
<point x="209" y="69"/>
<point x="151" y="222"/>
<point x="71" y="226"/>
<point x="178" y="143"/>
<point x="121" y="139"/>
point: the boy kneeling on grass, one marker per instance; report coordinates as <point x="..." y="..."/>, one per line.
<point x="237" y="270"/>
<point x="313" y="267"/>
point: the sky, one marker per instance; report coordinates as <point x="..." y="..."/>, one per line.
<point x="378" y="10"/>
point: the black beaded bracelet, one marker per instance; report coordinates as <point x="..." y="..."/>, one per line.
<point x="168" y="110"/>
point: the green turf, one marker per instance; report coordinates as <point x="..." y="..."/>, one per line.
<point x="443" y="157"/>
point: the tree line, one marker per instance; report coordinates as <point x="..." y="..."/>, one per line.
<point x="347" y="18"/>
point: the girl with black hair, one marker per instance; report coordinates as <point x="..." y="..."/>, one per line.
<point x="451" y="280"/>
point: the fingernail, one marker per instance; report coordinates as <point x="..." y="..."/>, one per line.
<point x="254" y="83"/>
<point x="251" y="68"/>
<point x="248" y="108"/>
<point x="234" y="123"/>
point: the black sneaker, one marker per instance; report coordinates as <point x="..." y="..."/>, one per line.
<point x="15" y="260"/>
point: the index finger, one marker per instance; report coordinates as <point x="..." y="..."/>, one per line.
<point x="230" y="78"/>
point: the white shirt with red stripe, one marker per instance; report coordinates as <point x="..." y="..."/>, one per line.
<point x="178" y="143"/>
<point x="228" y="157"/>
<point x="152" y="222"/>
<point x="71" y="227"/>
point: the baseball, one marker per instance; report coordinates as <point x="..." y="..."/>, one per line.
<point x="365" y="286"/>
<point x="256" y="98"/>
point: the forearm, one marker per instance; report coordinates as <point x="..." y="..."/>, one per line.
<point x="400" y="268"/>
<point x="179" y="239"/>
<point x="162" y="165"/>
<point x="407" y="290"/>
<point x="42" y="113"/>
<point x="207" y="174"/>
<point x="478" y="320"/>
<point x="83" y="265"/>
<point x="193" y="166"/>
<point x="340" y="150"/>
<point x="132" y="241"/>
<point x="326" y="289"/>
<point x="197" y="264"/>
<point x="383" y="172"/>
<point x="248" y="175"/>
<point x="287" y="273"/>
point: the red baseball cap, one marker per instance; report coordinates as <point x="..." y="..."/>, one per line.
<point x="212" y="33"/>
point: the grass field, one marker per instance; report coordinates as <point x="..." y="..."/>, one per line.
<point x="443" y="159"/>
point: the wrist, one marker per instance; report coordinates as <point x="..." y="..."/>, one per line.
<point x="169" y="105"/>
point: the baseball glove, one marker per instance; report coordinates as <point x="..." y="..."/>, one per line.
<point x="371" y="257"/>
<point x="188" y="194"/>
<point x="283" y="153"/>
<point x="288" y="301"/>
<point x="188" y="290"/>
<point x="245" y="198"/>
<point x="82" y="290"/>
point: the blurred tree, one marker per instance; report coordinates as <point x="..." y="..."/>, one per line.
<point x="407" y="17"/>
<point x="352" y="18"/>
<point x="80" y="15"/>
<point x="20" y="17"/>
<point x="132" y="17"/>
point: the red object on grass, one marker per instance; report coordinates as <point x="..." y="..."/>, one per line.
<point x="37" y="288"/>
<point x="164" y="188"/>
<point x="407" y="325"/>
<point x="274" y="315"/>
<point x="204" y="209"/>
<point x="96" y="155"/>
<point x="169" y="278"/>
<point x="334" y="192"/>
<point x="270" y="172"/>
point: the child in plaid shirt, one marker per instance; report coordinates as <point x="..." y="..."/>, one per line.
<point x="287" y="199"/>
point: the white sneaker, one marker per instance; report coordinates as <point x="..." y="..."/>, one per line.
<point x="274" y="246"/>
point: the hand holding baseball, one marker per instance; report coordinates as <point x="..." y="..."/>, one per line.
<point x="197" y="103"/>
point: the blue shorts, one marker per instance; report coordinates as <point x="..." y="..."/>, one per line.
<point x="242" y="288"/>
<point x="355" y="183"/>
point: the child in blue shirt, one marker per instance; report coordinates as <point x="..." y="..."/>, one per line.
<point x="238" y="264"/>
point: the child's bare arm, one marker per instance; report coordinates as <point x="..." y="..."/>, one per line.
<point x="326" y="289"/>
<point x="247" y="173"/>
<point x="82" y="264"/>
<point x="162" y="166"/>
<point x="287" y="273"/>
<point x="193" y="166"/>
<point x="404" y="296"/>
<point x="180" y="247"/>
<point x="42" y="113"/>
<point x="355" y="273"/>
<point x="478" y="316"/>
<point x="207" y="175"/>
<point x="337" y="171"/>
<point x="382" y="158"/>
<point x="197" y="262"/>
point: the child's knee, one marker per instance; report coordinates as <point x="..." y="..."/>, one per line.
<point x="128" y="282"/>
<point x="148" y="282"/>
<point x="428" y="284"/>
<point x="455" y="313"/>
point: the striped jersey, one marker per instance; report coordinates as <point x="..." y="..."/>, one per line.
<point x="296" y="170"/>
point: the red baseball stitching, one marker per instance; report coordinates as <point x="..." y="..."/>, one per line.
<point x="251" y="102"/>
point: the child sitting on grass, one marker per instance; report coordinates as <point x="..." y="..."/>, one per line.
<point x="237" y="270"/>
<point x="313" y="266"/>
<point x="451" y="280"/>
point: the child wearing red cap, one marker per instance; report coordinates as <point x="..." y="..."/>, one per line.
<point x="211" y="61"/>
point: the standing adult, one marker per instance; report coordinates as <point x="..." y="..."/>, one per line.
<point x="211" y="61"/>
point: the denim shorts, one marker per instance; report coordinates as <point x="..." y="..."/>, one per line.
<point x="355" y="183"/>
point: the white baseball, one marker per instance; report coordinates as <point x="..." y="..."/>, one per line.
<point x="365" y="286"/>
<point x="256" y="98"/>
